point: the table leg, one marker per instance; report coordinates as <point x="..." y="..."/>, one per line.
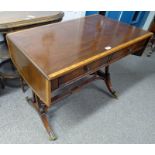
<point x="109" y="83"/>
<point x="42" y="111"/>
<point x="106" y="77"/>
<point x="24" y="86"/>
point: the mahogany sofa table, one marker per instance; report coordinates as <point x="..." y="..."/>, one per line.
<point x="68" y="55"/>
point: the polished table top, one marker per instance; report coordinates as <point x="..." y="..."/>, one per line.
<point x="13" y="19"/>
<point x="57" y="48"/>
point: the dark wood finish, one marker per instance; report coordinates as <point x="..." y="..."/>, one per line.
<point x="152" y="29"/>
<point x="55" y="57"/>
<point x="90" y="77"/>
<point x="152" y="26"/>
<point x="35" y="79"/>
<point x="106" y="77"/>
<point x="67" y="44"/>
<point x="71" y="89"/>
<point x="138" y="51"/>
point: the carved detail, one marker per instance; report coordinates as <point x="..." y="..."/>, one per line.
<point x="42" y="109"/>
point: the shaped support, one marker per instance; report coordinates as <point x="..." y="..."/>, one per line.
<point x="42" y="109"/>
<point x="106" y="77"/>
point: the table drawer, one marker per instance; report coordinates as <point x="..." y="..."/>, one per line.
<point x="87" y="69"/>
<point x="128" y="50"/>
<point x="98" y="63"/>
<point x="118" y="55"/>
<point x="94" y="66"/>
<point x="138" y="46"/>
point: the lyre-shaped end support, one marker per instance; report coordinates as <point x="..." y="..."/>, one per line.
<point x="41" y="108"/>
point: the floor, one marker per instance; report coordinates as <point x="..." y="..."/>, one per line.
<point x="91" y="115"/>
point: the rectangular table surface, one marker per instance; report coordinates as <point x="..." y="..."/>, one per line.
<point x="58" y="48"/>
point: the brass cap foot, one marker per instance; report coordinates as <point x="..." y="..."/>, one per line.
<point x="115" y="95"/>
<point x="52" y="136"/>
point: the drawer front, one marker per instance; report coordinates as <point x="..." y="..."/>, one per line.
<point x="71" y="76"/>
<point x="118" y="55"/>
<point x="80" y="72"/>
<point x="128" y="50"/>
<point x="94" y="66"/>
<point x="99" y="63"/>
<point x="138" y="46"/>
<point x="54" y="84"/>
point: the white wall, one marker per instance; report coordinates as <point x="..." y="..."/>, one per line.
<point x="69" y="15"/>
<point x="149" y="20"/>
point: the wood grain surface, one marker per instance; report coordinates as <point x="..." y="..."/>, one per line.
<point x="56" y="49"/>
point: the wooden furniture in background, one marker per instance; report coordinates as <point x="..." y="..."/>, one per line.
<point x="17" y="20"/>
<point x="66" y="56"/>
<point x="11" y="21"/>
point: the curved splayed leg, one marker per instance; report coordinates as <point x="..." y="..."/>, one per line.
<point x="42" y="109"/>
<point x="108" y="82"/>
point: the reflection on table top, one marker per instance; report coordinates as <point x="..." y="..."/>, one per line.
<point x="65" y="45"/>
